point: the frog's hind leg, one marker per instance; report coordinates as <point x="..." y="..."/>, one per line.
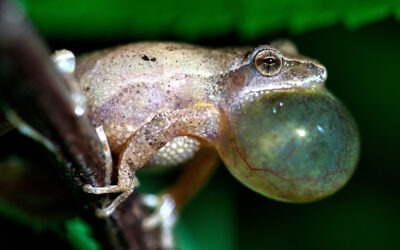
<point x="194" y="175"/>
<point x="170" y="202"/>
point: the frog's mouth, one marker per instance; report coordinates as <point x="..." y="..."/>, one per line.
<point x="283" y="86"/>
<point x="250" y="93"/>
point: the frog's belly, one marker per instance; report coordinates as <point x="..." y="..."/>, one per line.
<point x="177" y="151"/>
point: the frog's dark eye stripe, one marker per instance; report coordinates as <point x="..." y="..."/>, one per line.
<point x="268" y="62"/>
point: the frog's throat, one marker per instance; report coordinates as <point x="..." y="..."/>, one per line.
<point x="249" y="95"/>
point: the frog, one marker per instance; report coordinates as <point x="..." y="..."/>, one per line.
<point x="264" y="111"/>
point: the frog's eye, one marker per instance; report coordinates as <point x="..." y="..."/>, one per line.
<point x="292" y="145"/>
<point x="268" y="62"/>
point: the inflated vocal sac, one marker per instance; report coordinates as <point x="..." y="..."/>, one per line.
<point x="291" y="145"/>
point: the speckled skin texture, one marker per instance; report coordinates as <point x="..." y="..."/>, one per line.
<point x="129" y="85"/>
<point x="146" y="94"/>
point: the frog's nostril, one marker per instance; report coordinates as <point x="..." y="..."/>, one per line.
<point x="318" y="70"/>
<point x="311" y="66"/>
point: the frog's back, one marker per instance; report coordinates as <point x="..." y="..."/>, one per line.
<point x="128" y="85"/>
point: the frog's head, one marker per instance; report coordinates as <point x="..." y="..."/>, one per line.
<point x="283" y="134"/>
<point x="266" y="68"/>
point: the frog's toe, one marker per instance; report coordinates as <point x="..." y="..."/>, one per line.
<point x="95" y="190"/>
<point x="163" y="217"/>
<point x="88" y="189"/>
<point x="164" y="210"/>
<point x="104" y="212"/>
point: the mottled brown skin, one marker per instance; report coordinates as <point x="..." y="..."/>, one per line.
<point x="129" y="85"/>
<point x="146" y="94"/>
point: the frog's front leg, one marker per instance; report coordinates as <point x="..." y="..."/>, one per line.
<point x="126" y="184"/>
<point x="137" y="152"/>
<point x="146" y="141"/>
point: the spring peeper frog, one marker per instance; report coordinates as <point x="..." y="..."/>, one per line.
<point x="265" y="110"/>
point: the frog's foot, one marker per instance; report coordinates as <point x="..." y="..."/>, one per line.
<point x="163" y="217"/>
<point x="126" y="189"/>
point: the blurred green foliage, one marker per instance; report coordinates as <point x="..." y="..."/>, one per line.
<point x="358" y="42"/>
<point x="79" y="235"/>
<point x="197" y="19"/>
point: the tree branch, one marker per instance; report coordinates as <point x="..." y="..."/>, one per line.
<point x="32" y="87"/>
